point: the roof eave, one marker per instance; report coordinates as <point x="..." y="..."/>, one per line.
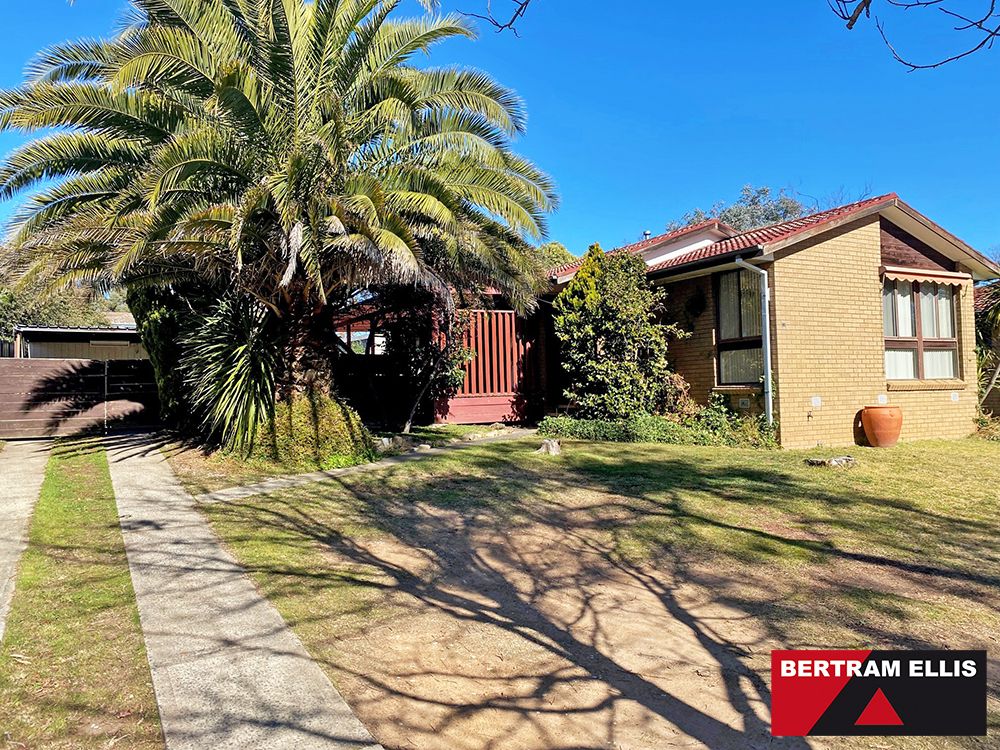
<point x="991" y="268"/>
<point x="706" y="265"/>
<point x="70" y="329"/>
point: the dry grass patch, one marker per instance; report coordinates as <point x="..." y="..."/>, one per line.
<point x="202" y="471"/>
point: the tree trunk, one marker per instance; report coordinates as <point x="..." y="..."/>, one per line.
<point x="307" y="351"/>
<point x="443" y="335"/>
<point x="435" y="369"/>
<point x="992" y="384"/>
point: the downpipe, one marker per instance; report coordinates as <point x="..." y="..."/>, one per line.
<point x="765" y="335"/>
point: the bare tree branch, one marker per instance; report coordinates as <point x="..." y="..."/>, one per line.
<point x="985" y="26"/>
<point x="517" y="12"/>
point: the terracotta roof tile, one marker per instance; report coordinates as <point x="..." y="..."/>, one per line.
<point x="770" y="234"/>
<point x="742" y="241"/>
<point x="986" y="295"/>
<point x="638" y="247"/>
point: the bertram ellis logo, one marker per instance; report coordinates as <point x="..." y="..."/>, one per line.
<point x="849" y="693"/>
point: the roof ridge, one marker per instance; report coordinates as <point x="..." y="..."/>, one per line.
<point x="818" y="215"/>
<point x="648" y="242"/>
<point x="739" y="240"/>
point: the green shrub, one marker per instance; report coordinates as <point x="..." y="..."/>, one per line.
<point x="163" y="315"/>
<point x="714" y="424"/>
<point x="641" y="429"/>
<point x="230" y="361"/>
<point x="314" y="430"/>
<point x="613" y="349"/>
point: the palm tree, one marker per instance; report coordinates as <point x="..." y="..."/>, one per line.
<point x="285" y="151"/>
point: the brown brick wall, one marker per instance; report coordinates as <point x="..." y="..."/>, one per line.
<point x="691" y="304"/>
<point x="829" y="345"/>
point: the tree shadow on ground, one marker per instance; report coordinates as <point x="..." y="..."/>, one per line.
<point x="465" y="523"/>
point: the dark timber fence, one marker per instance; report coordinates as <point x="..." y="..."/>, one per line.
<point x="503" y="379"/>
<point x="46" y="397"/>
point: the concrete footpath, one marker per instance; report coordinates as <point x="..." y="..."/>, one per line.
<point x="227" y="670"/>
<point x="22" y="469"/>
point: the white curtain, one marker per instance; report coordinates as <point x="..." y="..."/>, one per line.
<point x="940" y="364"/>
<point x="904" y="310"/>
<point x="901" y="364"/>
<point x="888" y="301"/>
<point x="946" y="311"/>
<point x="928" y="310"/>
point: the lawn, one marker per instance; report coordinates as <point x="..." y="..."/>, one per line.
<point x="203" y="471"/>
<point x="207" y="471"/>
<point x="73" y="669"/>
<point x="623" y="594"/>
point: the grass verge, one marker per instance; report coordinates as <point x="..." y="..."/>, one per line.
<point x="201" y="471"/>
<point x="73" y="668"/>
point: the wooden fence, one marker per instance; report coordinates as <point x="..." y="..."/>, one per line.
<point x="500" y="379"/>
<point x="46" y="397"/>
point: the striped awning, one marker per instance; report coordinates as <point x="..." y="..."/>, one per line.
<point x="899" y="273"/>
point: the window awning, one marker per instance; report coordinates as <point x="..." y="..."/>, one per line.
<point x="899" y="273"/>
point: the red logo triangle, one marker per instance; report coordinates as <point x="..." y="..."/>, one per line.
<point x="879" y="712"/>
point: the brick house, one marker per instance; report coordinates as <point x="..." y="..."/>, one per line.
<point x="869" y="303"/>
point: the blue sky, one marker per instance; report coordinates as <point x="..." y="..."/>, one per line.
<point x="644" y="110"/>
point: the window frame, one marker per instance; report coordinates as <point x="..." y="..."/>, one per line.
<point x="740" y="342"/>
<point x="919" y="343"/>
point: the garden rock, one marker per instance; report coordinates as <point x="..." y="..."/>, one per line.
<point x="550" y="447"/>
<point x="840" y="462"/>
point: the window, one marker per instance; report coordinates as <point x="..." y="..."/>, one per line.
<point x="918" y="320"/>
<point x="741" y="357"/>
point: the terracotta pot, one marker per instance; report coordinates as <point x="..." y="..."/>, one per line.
<point x="882" y="425"/>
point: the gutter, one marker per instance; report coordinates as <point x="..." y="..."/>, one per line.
<point x="711" y="262"/>
<point x="765" y="335"/>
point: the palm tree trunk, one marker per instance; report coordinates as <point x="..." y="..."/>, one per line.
<point x="307" y="351"/>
